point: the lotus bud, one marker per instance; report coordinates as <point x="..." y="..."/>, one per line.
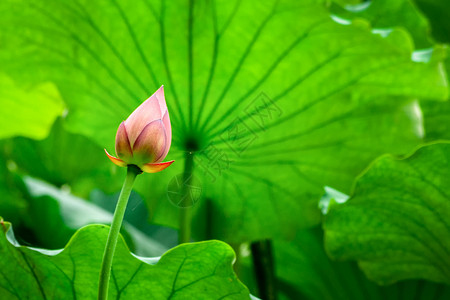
<point x="144" y="138"/>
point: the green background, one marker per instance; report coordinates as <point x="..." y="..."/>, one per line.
<point x="274" y="100"/>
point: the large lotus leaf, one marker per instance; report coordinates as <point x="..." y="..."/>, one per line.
<point x="397" y="222"/>
<point x="28" y="111"/>
<point x="274" y="99"/>
<point x="304" y="271"/>
<point x="191" y="271"/>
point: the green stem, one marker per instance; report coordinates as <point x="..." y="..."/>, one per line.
<point x="185" y="209"/>
<point x="105" y="273"/>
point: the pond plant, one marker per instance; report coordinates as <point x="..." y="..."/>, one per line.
<point x="306" y="155"/>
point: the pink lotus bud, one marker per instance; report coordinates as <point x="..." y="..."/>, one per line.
<point x="144" y="138"/>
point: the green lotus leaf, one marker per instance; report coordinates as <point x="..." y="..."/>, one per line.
<point x="397" y="222"/>
<point x="199" y="270"/>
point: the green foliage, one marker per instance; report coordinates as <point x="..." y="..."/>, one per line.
<point x="332" y="101"/>
<point x="437" y="115"/>
<point x="28" y="111"/>
<point x="184" y="272"/>
<point x="438" y="13"/>
<point x="275" y="99"/>
<point x="397" y="222"/>
<point x="437" y="120"/>
<point x="52" y="157"/>
<point x="315" y="276"/>
<point x="387" y="14"/>
<point x="62" y="214"/>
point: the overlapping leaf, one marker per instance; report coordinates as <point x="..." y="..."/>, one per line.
<point x="397" y="223"/>
<point x="305" y="271"/>
<point x="274" y="99"/>
<point x="193" y="271"/>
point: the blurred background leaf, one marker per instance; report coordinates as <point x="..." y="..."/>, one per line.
<point x="62" y="158"/>
<point x="438" y="13"/>
<point x="437" y="115"/>
<point x="385" y="15"/>
<point x="59" y="212"/>
<point x="12" y="199"/>
<point x="28" y="110"/>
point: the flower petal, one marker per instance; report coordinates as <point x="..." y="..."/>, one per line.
<point x="148" y="111"/>
<point x="156" y="167"/>
<point x="116" y="160"/>
<point x="123" y="148"/>
<point x="159" y="94"/>
<point x="168" y="130"/>
<point x="150" y="144"/>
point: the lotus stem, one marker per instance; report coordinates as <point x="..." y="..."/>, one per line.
<point x="111" y="242"/>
